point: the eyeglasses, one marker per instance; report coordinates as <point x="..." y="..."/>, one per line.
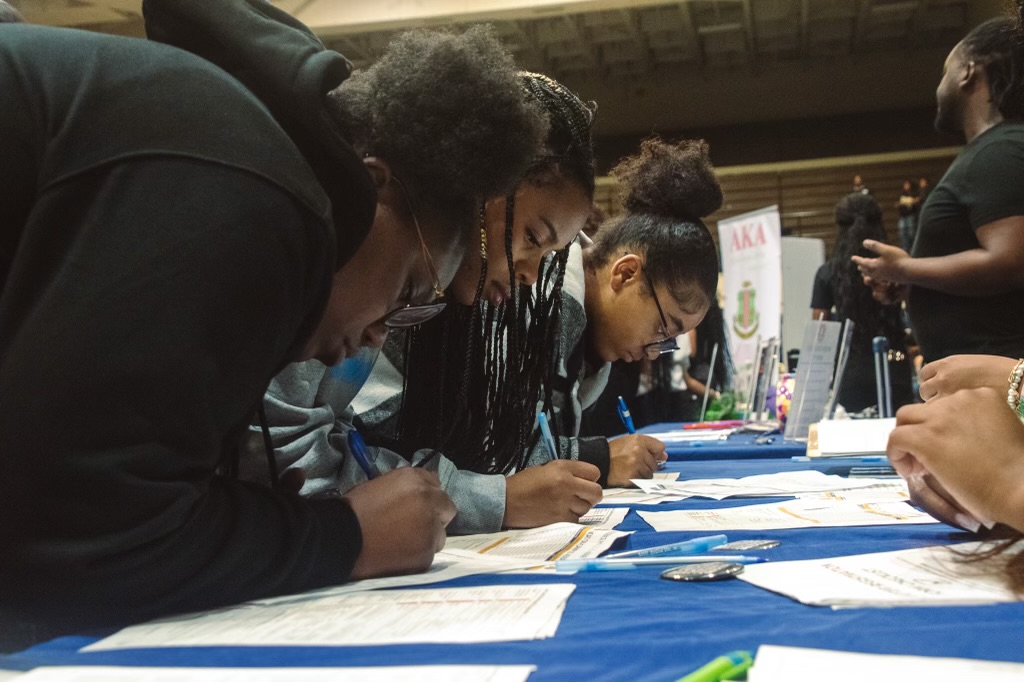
<point x="417" y="313"/>
<point x="668" y="344"/>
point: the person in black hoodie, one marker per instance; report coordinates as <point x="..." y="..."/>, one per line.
<point x="170" y="240"/>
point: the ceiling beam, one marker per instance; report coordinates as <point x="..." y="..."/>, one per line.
<point x="749" y="31"/>
<point x="690" y="31"/>
<point x="632" y="22"/>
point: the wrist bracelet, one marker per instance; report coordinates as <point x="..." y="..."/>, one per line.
<point x="1013" y="395"/>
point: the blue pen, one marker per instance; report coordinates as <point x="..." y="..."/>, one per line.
<point x="694" y="546"/>
<point x="625" y="416"/>
<point x="545" y="432"/>
<point x="606" y="564"/>
<point x="357" y="446"/>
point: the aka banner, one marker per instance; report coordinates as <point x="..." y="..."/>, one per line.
<point x="751" y="246"/>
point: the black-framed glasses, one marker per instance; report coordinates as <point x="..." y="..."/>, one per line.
<point x="417" y="313"/>
<point x="667" y="344"/>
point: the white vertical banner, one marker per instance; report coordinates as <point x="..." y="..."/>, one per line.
<point x="751" y="246"/>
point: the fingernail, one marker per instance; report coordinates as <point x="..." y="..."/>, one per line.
<point x="968" y="522"/>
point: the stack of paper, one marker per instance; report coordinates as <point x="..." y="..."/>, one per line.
<point x="795" y="514"/>
<point x="455" y="615"/>
<point x="850" y="437"/>
<point x="785" y="484"/>
<point x="790" y="664"/>
<point x="547" y="543"/>
<point x="421" y="673"/>
<point x="930" y="576"/>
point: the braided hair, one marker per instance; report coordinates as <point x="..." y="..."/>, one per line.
<point x="859" y="217"/>
<point x="475" y="374"/>
<point x="996" y="45"/>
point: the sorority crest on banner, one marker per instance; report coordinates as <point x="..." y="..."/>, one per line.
<point x="751" y="246"/>
<point x="745" y="323"/>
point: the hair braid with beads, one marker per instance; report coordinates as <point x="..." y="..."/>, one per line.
<point x="475" y="374"/>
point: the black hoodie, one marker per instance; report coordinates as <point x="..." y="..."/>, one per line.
<point x="164" y="250"/>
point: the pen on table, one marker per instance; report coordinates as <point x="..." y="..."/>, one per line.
<point x="357" y="446"/>
<point x="725" y="667"/>
<point x="694" y="546"/>
<point x="606" y="564"/>
<point x="545" y="433"/>
<point x="625" y="416"/>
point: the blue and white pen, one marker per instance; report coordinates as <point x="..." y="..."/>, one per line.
<point x="625" y="416"/>
<point x="694" y="546"/>
<point x="545" y="433"/>
<point x="357" y="446"/>
<point x="606" y="564"/>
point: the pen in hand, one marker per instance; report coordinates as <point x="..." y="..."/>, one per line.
<point x="357" y="446"/>
<point x="625" y="416"/>
<point x="545" y="433"/>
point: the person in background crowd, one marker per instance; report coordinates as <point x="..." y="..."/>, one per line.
<point x="906" y="207"/>
<point x="838" y="284"/>
<point x="858" y="185"/>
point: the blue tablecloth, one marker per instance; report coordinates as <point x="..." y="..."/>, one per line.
<point x="631" y="625"/>
<point x="736" y="446"/>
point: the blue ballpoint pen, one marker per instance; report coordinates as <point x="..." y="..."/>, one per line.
<point x="357" y="446"/>
<point x="607" y="564"/>
<point x="545" y="432"/>
<point x="625" y="416"/>
<point x="694" y="546"/>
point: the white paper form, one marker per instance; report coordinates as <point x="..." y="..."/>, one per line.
<point x="894" y="490"/>
<point x="637" y="496"/>
<point x="794" y="514"/>
<point x="453" y="615"/>
<point x="547" y="543"/>
<point x="929" y="576"/>
<point x="419" y="673"/>
<point x="784" y="484"/>
<point x="792" y="664"/>
<point x="448" y="564"/>
<point x="606" y="518"/>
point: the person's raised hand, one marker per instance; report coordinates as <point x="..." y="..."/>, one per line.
<point x="633" y="456"/>
<point x="403" y="515"/>
<point x="972" y="444"/>
<point x="562" y="490"/>
<point x="888" y="267"/>
<point x="958" y="372"/>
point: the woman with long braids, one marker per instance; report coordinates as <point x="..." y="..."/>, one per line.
<point x="648" y="277"/>
<point x="838" y="284"/>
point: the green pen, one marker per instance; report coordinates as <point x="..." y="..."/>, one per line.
<point x="726" y="667"/>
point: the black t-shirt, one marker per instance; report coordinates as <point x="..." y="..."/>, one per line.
<point x="985" y="183"/>
<point x="859" y="388"/>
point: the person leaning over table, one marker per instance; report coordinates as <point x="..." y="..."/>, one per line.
<point x="166" y="248"/>
<point x="964" y="280"/>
